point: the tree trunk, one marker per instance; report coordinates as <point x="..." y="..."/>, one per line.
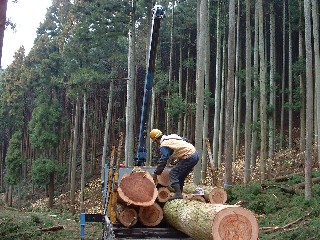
<point x="206" y="101"/>
<point x="151" y="216"/>
<point x="315" y="17"/>
<point x="302" y="86"/>
<point x="51" y="190"/>
<point x="138" y="189"/>
<point x="255" y="86"/>
<point x="203" y="221"/>
<point x="163" y="194"/>
<point x="236" y="88"/>
<point x="283" y="73"/>
<point x="201" y="56"/>
<point x="129" y="155"/>
<point x="211" y="194"/>
<point x="272" y="85"/>
<point x="127" y="216"/>
<point x="229" y="118"/>
<point x="217" y="95"/>
<point x="290" y="82"/>
<point x="263" y="103"/>
<point x="309" y="102"/>
<point x="83" y="152"/>
<point x="106" y="131"/>
<point x="247" y="135"/>
<point x="74" y="156"/>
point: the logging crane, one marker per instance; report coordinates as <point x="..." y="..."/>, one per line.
<point x="114" y="173"/>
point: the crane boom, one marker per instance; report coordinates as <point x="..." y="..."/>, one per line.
<point x="158" y="14"/>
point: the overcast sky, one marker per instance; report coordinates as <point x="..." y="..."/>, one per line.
<point x="27" y="15"/>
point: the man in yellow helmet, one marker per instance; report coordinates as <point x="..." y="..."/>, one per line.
<point x="175" y="148"/>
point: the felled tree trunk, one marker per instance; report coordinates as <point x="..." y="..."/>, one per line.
<point x="204" y="221"/>
<point x="127" y="216"/>
<point x="163" y="194"/>
<point x="211" y="194"/>
<point x="138" y="189"/>
<point x="151" y="216"/>
<point x="196" y="198"/>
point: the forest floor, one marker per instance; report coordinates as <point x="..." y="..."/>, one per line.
<point x="279" y="205"/>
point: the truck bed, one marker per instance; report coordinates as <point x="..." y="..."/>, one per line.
<point x="148" y="233"/>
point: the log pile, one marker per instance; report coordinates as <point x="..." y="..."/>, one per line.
<point x="200" y="217"/>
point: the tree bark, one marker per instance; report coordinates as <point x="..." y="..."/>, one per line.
<point x="203" y="221"/>
<point x="74" y="156"/>
<point x="106" y="130"/>
<point x="309" y="102"/>
<point x="83" y="152"/>
<point x="130" y="89"/>
<point x="229" y="118"/>
<point x="248" y="123"/>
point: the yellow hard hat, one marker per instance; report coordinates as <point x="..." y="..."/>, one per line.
<point x="155" y="133"/>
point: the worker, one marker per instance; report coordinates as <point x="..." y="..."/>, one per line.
<point x="183" y="154"/>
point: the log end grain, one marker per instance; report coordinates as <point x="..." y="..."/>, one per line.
<point x="204" y="221"/>
<point x="163" y="194"/>
<point x="137" y="189"/>
<point x="218" y="195"/>
<point x="235" y="222"/>
<point x="127" y="216"/>
<point x="151" y="216"/>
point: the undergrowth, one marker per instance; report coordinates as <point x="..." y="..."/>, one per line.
<point x="282" y="211"/>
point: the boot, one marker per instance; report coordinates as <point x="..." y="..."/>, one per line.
<point x="177" y="194"/>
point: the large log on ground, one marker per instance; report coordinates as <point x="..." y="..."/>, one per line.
<point x="127" y="216"/>
<point x="211" y="194"/>
<point x="137" y="188"/>
<point x="151" y="216"/>
<point x="204" y="221"/>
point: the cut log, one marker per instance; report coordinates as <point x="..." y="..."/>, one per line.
<point x="164" y="178"/>
<point x="196" y="198"/>
<point x="203" y="221"/>
<point x="211" y="194"/>
<point x="151" y="216"/>
<point x="138" y="189"/>
<point x="163" y="194"/>
<point x="127" y="216"/>
<point x="302" y="184"/>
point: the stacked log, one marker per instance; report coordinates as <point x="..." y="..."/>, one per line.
<point x="211" y="194"/>
<point x="127" y="216"/>
<point x="204" y="221"/>
<point x="138" y="189"/>
<point x="194" y="215"/>
<point x="151" y="216"/>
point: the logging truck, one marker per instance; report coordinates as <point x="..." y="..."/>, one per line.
<point x="135" y="207"/>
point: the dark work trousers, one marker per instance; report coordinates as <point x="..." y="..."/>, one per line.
<point x="181" y="170"/>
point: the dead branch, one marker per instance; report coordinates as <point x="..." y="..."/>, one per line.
<point x="285" y="227"/>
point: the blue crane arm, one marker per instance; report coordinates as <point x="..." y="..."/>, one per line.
<point x="158" y="14"/>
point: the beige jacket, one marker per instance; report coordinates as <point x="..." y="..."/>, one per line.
<point x="181" y="149"/>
